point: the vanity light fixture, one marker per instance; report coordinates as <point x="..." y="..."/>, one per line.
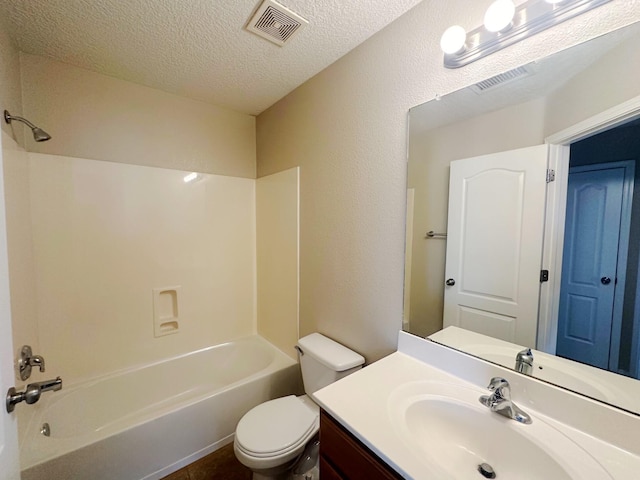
<point x="505" y="24"/>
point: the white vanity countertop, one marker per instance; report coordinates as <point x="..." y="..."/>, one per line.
<point x="362" y="403"/>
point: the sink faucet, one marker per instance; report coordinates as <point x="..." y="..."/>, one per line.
<point x="500" y="401"/>
<point x="524" y="361"/>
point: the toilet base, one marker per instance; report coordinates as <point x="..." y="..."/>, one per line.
<point x="281" y="476"/>
<point x="281" y="472"/>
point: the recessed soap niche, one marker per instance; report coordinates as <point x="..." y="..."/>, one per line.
<point x="166" y="319"/>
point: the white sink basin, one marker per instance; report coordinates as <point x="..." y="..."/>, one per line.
<point x="446" y="426"/>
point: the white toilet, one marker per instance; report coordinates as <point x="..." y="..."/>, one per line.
<point x="270" y="437"/>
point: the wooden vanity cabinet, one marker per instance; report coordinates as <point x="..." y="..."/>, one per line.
<point x="344" y="457"/>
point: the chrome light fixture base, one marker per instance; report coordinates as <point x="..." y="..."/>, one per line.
<point x="530" y="18"/>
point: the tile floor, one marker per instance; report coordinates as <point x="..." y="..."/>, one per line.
<point x="219" y="465"/>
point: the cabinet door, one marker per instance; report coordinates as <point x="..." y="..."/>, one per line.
<point x="327" y="472"/>
<point x="346" y="457"/>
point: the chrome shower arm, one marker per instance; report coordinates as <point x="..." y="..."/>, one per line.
<point x="8" y="117"/>
<point x="39" y="135"/>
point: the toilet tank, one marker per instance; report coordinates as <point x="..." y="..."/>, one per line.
<point x="323" y="361"/>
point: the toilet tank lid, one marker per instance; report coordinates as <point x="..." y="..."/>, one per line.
<point x="329" y="352"/>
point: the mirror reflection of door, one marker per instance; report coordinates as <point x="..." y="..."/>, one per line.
<point x="486" y="275"/>
<point x="599" y="316"/>
<point x="494" y="247"/>
<point x="595" y="250"/>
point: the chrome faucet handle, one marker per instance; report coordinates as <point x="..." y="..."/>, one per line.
<point x="500" y="388"/>
<point x="37" y="361"/>
<point x="526" y="355"/>
<point x="497" y="384"/>
<point x="27" y="360"/>
<point x="524" y="361"/>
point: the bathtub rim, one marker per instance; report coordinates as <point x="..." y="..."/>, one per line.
<point x="31" y="431"/>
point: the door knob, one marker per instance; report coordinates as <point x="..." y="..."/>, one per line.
<point x="605" y="280"/>
<point x="450" y="282"/>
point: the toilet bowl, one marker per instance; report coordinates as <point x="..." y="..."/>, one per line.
<point x="271" y="437"/>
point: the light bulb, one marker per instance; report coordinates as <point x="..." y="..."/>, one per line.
<point x="453" y="40"/>
<point x="499" y="15"/>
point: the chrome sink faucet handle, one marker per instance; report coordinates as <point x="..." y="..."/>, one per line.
<point x="524" y="361"/>
<point x="500" y="401"/>
<point x="498" y="386"/>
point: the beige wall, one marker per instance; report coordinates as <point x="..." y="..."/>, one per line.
<point x="10" y="87"/>
<point x="11" y="141"/>
<point x="94" y="116"/>
<point x="13" y="166"/>
<point x="347" y="129"/>
<point x="610" y="81"/>
<point x="277" y="229"/>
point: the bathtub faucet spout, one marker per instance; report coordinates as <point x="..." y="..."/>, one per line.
<point x="32" y="393"/>
<point x="34" y="390"/>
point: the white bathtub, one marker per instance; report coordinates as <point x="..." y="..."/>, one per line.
<point x="147" y="422"/>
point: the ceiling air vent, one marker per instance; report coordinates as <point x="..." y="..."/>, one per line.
<point x="501" y="79"/>
<point x="276" y="23"/>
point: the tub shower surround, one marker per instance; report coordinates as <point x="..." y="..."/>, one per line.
<point x="107" y="237"/>
<point x="149" y="421"/>
<point x="116" y="268"/>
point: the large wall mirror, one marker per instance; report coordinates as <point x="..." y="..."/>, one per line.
<point x="501" y="258"/>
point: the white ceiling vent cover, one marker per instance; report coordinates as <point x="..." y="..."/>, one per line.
<point x="502" y="78"/>
<point x="276" y="23"/>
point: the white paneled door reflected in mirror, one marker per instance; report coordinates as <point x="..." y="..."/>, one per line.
<point x="532" y="175"/>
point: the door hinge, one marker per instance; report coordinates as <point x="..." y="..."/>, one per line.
<point x="544" y="276"/>
<point x="551" y="175"/>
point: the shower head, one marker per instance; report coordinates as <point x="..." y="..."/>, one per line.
<point x="39" y="135"/>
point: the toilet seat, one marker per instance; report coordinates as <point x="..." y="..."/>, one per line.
<point x="277" y="427"/>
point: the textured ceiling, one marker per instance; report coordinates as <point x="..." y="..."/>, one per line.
<point x="196" y="48"/>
